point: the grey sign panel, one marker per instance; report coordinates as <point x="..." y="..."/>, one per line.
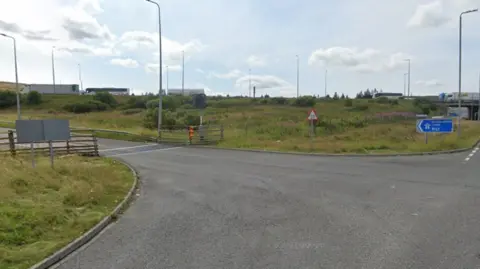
<point x="56" y="130"/>
<point x="29" y="131"/>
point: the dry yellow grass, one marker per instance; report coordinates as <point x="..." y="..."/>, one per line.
<point x="43" y="209"/>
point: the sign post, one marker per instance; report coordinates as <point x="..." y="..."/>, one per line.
<point x="312" y="118"/>
<point x="427" y="126"/>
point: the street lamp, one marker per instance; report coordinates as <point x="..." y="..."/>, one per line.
<point x="460" y="66"/>
<point x="298" y="76"/>
<point x="409" y="63"/>
<point x="405" y="84"/>
<point x="183" y="72"/>
<point x="53" y="69"/>
<point x="166" y="67"/>
<point x="80" y="78"/>
<point x="17" y="86"/>
<point x="159" y="126"/>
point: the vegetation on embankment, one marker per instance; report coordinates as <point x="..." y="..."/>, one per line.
<point x="44" y="209"/>
<point x="361" y="125"/>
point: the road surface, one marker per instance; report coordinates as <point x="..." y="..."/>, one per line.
<point x="202" y="208"/>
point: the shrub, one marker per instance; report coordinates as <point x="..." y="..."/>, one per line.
<point x="105" y="98"/>
<point x="192" y="120"/>
<point x="382" y="100"/>
<point x="168" y="103"/>
<point x="361" y="107"/>
<point x="85" y="107"/>
<point x="34" y="98"/>
<point x="137" y="102"/>
<point x="348" y="103"/>
<point x="132" y="111"/>
<point x="279" y="100"/>
<point x="305" y="101"/>
<point x="7" y="99"/>
<point x="150" y="119"/>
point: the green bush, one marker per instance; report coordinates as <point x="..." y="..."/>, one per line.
<point x="85" y="107"/>
<point x="192" y="120"/>
<point x="305" y="101"/>
<point x="34" y="98"/>
<point x="360" y="107"/>
<point x="382" y="100"/>
<point x="348" y="103"/>
<point x="132" y="111"/>
<point x="168" y="103"/>
<point x="105" y="98"/>
<point x="278" y="100"/>
<point x="138" y="101"/>
<point x="7" y="99"/>
<point x="150" y="119"/>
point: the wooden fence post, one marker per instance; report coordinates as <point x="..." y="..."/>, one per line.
<point x="11" y="141"/>
<point x="68" y="146"/>
<point x="221" y="132"/>
<point x="95" y="146"/>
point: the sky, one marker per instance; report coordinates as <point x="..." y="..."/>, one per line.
<point x="362" y="44"/>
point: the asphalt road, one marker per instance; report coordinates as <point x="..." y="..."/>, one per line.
<point x="201" y="208"/>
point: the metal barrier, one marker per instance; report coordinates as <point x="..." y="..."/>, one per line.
<point x="85" y="145"/>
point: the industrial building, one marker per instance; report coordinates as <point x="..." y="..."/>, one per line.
<point x="113" y="91"/>
<point x="52" y="89"/>
<point x="186" y="92"/>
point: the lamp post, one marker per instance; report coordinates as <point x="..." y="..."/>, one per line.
<point x="160" y="98"/>
<point x="409" y="69"/>
<point x="326" y="77"/>
<point x="183" y="72"/>
<point x="298" y="76"/>
<point x="53" y="69"/>
<point x="17" y="86"/>
<point x="80" y="78"/>
<point x="405" y="84"/>
<point x="249" y="82"/>
<point x="460" y="66"/>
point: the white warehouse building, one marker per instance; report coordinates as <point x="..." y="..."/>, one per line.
<point x="51" y="89"/>
<point x="186" y="92"/>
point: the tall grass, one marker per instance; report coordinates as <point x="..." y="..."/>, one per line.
<point x="43" y="209"/>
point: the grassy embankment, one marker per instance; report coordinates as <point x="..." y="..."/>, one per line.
<point x="250" y="124"/>
<point x="44" y="209"/>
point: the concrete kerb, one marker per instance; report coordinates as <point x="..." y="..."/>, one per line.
<point x="86" y="237"/>
<point x="345" y="155"/>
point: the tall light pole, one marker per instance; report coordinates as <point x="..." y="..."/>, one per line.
<point x="409" y="64"/>
<point x="17" y="86"/>
<point x="298" y="76"/>
<point x="249" y="82"/>
<point x="80" y="78"/>
<point x="183" y="72"/>
<point x="53" y="68"/>
<point x="326" y="73"/>
<point x="166" y="67"/>
<point x="160" y="98"/>
<point x="478" y="111"/>
<point x="405" y="84"/>
<point x="460" y="66"/>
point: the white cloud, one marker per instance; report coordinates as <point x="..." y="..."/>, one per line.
<point x="367" y="60"/>
<point x="127" y="62"/>
<point x="230" y="75"/>
<point x="429" y="83"/>
<point x="256" y="61"/>
<point x="266" y="82"/>
<point x="429" y="15"/>
<point x="440" y="12"/>
<point x="153" y="68"/>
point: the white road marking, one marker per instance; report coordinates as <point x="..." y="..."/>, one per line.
<point x="142" y="146"/>
<point x="471" y="154"/>
<point x="146" y="151"/>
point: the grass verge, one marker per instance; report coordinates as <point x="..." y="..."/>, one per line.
<point x="44" y="209"/>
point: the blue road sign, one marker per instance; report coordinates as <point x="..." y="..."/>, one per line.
<point x="435" y="126"/>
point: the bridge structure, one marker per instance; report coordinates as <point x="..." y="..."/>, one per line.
<point x="472" y="105"/>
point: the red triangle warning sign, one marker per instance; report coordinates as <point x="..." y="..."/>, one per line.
<point x="312" y="115"/>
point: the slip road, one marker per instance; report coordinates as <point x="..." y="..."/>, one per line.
<point x="202" y="208"/>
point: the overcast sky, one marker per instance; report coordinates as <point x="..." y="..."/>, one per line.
<point x="362" y="43"/>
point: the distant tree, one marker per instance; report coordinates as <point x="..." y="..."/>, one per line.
<point x="335" y="96"/>
<point x="328" y="96"/>
<point x="359" y="95"/>
<point x="367" y="94"/>
<point x="34" y="98"/>
<point x="343" y="96"/>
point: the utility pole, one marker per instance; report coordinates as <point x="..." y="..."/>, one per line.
<point x="167" y="79"/>
<point x="478" y="112"/>
<point x="326" y="73"/>
<point x="249" y="82"/>
<point x="298" y="77"/>
<point x="405" y="84"/>
<point x="80" y="78"/>
<point x="460" y="66"/>
<point x="53" y="69"/>
<point x="17" y="86"/>
<point x="183" y="72"/>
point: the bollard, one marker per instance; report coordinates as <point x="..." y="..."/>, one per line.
<point x="11" y="142"/>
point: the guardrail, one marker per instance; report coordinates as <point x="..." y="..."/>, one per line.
<point x="85" y="145"/>
<point x="203" y="135"/>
